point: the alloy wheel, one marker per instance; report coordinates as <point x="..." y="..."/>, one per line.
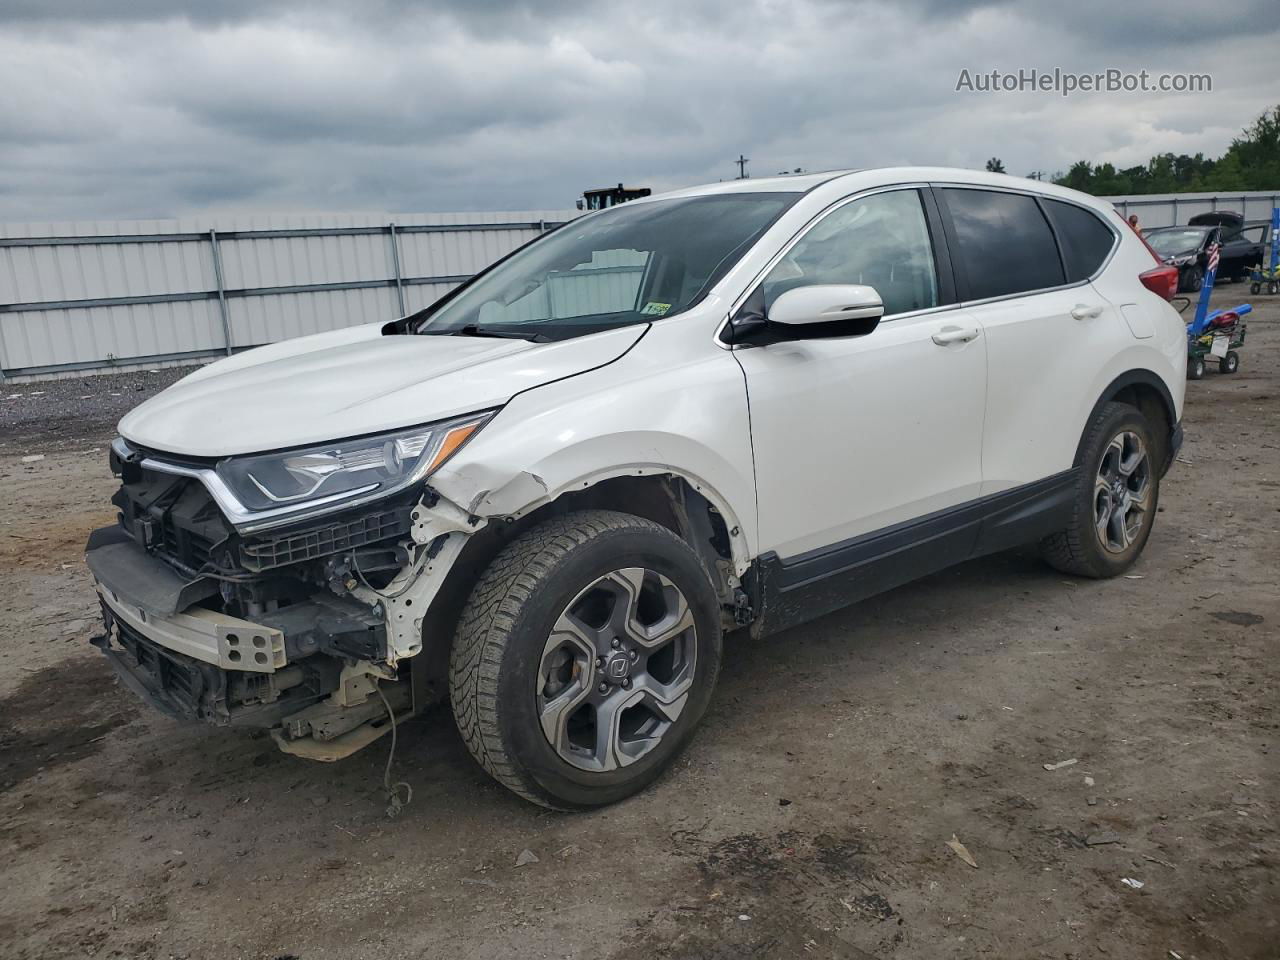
<point x="617" y="669"/>
<point x="1122" y="492"/>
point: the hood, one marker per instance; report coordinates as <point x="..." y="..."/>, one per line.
<point x="352" y="382"/>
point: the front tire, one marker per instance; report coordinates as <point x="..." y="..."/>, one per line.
<point x="1230" y="363"/>
<point x="585" y="656"/>
<point x="1117" y="494"/>
<point x="1195" y="368"/>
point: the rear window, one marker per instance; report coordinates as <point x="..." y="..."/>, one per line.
<point x="1086" y="240"/>
<point x="1006" y="246"/>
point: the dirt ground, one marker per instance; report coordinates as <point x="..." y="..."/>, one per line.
<point x="810" y="818"/>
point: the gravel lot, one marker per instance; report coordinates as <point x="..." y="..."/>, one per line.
<point x="810" y="818"/>
<point x="63" y="414"/>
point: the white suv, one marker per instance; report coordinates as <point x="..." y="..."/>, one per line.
<point x="550" y="494"/>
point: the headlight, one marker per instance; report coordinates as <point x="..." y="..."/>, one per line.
<point x="375" y="465"/>
<point x="1182" y="261"/>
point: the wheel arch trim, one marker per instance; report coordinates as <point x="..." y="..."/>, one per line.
<point x="740" y="547"/>
<point x="1141" y="378"/>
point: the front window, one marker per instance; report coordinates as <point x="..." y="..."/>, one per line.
<point x="630" y="264"/>
<point x="1170" y="243"/>
<point x="881" y="240"/>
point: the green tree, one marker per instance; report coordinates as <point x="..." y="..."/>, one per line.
<point x="1258" y="151"/>
<point x="1079" y="177"/>
<point x="1252" y="162"/>
<point x="1227" y="174"/>
<point x="995" y="165"/>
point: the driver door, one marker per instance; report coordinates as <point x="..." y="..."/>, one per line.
<point x="866" y="445"/>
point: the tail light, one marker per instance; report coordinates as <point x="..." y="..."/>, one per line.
<point x="1162" y="281"/>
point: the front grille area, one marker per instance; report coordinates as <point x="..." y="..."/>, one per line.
<point x="172" y="517"/>
<point x="175" y="518"/>
<point x="293" y="546"/>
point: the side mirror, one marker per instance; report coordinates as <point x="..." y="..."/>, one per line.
<point x="820" y="311"/>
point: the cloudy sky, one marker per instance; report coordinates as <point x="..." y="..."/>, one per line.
<point x="146" y="108"/>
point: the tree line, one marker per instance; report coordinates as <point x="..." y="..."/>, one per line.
<point x="1252" y="162"/>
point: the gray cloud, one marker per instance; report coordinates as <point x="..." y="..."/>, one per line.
<point x="150" y="108"/>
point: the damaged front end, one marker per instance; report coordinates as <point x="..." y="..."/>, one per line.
<point x="301" y="626"/>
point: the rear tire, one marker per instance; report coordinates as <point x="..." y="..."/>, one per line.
<point x="1117" y="494"/>
<point x="1230" y="363"/>
<point x="1255" y="288"/>
<point x="1195" y="368"/>
<point x="537" y="694"/>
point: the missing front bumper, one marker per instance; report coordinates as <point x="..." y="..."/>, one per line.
<point x="308" y="666"/>
<point x="170" y="683"/>
<point x="210" y="637"/>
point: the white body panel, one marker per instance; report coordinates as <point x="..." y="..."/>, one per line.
<point x="1037" y="350"/>
<point x="849" y="435"/>
<point x="350" y="383"/>
<point x="1052" y="355"/>
<point x="675" y="403"/>
<point x="852" y="435"/>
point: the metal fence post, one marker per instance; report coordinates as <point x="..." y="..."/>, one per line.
<point x="222" y="294"/>
<point x="395" y="264"/>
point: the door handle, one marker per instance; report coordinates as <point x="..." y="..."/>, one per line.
<point x="1084" y="312"/>
<point x="955" y="335"/>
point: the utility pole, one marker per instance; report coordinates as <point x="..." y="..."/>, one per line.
<point x="742" y="166"/>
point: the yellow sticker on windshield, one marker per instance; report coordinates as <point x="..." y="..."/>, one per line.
<point x="655" y="309"/>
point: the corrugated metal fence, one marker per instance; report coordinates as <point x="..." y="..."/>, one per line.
<point x="79" y="298"/>
<point x="1171" y="209"/>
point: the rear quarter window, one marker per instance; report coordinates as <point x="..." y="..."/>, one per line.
<point x="1086" y="240"/>
<point x="1005" y="244"/>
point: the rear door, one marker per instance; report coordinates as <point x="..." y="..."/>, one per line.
<point x="1242" y="251"/>
<point x="1045" y="324"/>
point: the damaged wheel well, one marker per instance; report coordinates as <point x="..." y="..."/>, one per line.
<point x="668" y="500"/>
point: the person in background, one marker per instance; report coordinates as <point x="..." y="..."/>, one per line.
<point x="1133" y="222"/>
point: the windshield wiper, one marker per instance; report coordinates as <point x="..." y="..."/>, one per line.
<point x="475" y="330"/>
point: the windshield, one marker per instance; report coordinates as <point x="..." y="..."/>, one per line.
<point x="1169" y="243"/>
<point x="630" y="264"/>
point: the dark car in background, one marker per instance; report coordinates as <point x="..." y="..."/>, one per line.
<point x="1244" y="242"/>
<point x="1186" y="248"/>
<point x="1243" y="245"/>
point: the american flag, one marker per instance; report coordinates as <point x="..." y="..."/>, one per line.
<point x="1213" y="258"/>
